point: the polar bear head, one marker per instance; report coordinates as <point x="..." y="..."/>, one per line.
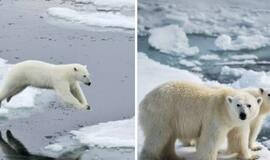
<point x="243" y="106"/>
<point x="80" y="73"/>
<point x="265" y="93"/>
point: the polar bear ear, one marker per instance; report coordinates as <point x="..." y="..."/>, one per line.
<point x="85" y="66"/>
<point x="229" y="99"/>
<point x="75" y="69"/>
<point x="259" y="100"/>
<point x="261" y="90"/>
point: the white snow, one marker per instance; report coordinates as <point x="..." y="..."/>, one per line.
<point x="244" y="57"/>
<point x="253" y="42"/>
<point x="210" y="57"/>
<point x="240" y="62"/>
<point x="108" y="135"/>
<point x="171" y="39"/>
<point x="54" y="147"/>
<point x="109" y="3"/>
<point x="100" y="19"/>
<point x="187" y="63"/>
<point x="151" y="74"/>
<point x="226" y="70"/>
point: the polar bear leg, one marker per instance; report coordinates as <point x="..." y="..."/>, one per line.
<point x="8" y="90"/>
<point x="153" y="147"/>
<point x="207" y="146"/>
<point x="78" y="93"/>
<point x="17" y="91"/>
<point x="63" y="91"/>
<point x="155" y="142"/>
<point x="238" y="140"/>
<point x="169" y="151"/>
<point x="255" y="129"/>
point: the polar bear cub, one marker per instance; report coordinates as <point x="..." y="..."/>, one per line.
<point x="255" y="125"/>
<point x="64" y="79"/>
<point x="185" y="111"/>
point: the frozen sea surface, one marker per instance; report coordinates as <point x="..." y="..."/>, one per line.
<point x="117" y="15"/>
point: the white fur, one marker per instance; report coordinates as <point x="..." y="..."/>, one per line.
<point x="255" y="125"/>
<point x="186" y="111"/>
<point x="62" y="78"/>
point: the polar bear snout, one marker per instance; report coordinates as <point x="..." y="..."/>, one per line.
<point x="88" y="83"/>
<point x="243" y="116"/>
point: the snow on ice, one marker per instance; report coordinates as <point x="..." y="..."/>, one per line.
<point x="110" y="3"/>
<point x="253" y="42"/>
<point x="245" y="23"/>
<point x="171" y="39"/>
<point x="108" y="135"/>
<point x="54" y="147"/>
<point x="101" y="19"/>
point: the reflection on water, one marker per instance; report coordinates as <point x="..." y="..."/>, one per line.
<point x="15" y="150"/>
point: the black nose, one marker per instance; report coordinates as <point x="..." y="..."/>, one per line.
<point x="242" y="116"/>
<point x="88" y="108"/>
<point x="88" y="83"/>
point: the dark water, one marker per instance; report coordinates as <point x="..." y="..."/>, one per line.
<point x="25" y="34"/>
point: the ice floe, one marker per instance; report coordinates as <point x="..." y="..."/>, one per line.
<point x="152" y="73"/>
<point x="171" y="39"/>
<point x="110" y="3"/>
<point x="240" y="20"/>
<point x="253" y="42"/>
<point x="210" y="57"/>
<point x="54" y="147"/>
<point x="98" y="19"/>
<point x="108" y="135"/>
<point x="244" y="57"/>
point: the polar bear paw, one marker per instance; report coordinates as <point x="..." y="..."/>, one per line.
<point x="254" y="157"/>
<point x="255" y="147"/>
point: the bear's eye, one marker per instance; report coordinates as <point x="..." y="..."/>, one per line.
<point x="248" y="105"/>
<point x="84" y="76"/>
<point x="238" y="105"/>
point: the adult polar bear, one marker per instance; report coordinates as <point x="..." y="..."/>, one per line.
<point x="190" y="111"/>
<point x="62" y="78"/>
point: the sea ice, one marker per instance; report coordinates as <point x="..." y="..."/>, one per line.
<point x="210" y="57"/>
<point x="110" y="3"/>
<point x="54" y="147"/>
<point x="112" y="134"/>
<point x="253" y="42"/>
<point x="171" y="39"/>
<point x="101" y="19"/>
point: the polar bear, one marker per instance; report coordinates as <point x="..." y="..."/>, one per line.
<point x="255" y="125"/>
<point x="64" y="79"/>
<point x="186" y="111"/>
